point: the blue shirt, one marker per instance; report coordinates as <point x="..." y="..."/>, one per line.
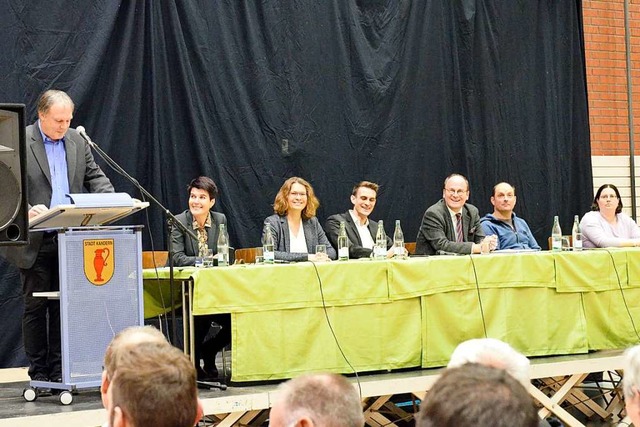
<point x="519" y="237"/>
<point x="57" y="159"/>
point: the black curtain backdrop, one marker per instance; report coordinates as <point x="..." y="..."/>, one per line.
<point x="398" y="92"/>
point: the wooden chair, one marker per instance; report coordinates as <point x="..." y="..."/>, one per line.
<point x="247" y="255"/>
<point x="410" y="247"/>
<point x="151" y="259"/>
<point x="568" y="237"/>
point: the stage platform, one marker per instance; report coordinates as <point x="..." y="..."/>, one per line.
<point x="388" y="398"/>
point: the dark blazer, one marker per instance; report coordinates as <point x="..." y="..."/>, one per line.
<point x="313" y="234"/>
<point x="84" y="176"/>
<point x="332" y="228"/>
<point x="185" y="247"/>
<point x="437" y="232"/>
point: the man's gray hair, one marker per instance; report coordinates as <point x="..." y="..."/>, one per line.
<point x="495" y="353"/>
<point x="328" y="399"/>
<point x="631" y="371"/>
<point x="52" y="96"/>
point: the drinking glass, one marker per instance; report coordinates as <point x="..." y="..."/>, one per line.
<point x="321" y="250"/>
<point x="208" y="258"/>
<point x="485" y="247"/>
<point x="259" y="256"/>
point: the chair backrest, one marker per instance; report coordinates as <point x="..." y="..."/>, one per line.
<point x="151" y="259"/>
<point x="410" y="247"/>
<point x="568" y="237"/>
<point x="247" y="255"/>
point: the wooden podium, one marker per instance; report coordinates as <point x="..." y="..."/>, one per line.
<point x="100" y="283"/>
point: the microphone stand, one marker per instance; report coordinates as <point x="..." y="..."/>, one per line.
<point x="171" y="222"/>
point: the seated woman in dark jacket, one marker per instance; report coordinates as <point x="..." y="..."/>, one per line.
<point x="205" y="224"/>
<point x="295" y="228"/>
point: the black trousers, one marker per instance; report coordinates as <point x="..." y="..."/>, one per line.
<point x="41" y="318"/>
<point x="207" y="350"/>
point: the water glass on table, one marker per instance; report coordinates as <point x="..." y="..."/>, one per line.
<point x="485" y="246"/>
<point x="321" y="250"/>
<point x="208" y="258"/>
<point x="259" y="256"/>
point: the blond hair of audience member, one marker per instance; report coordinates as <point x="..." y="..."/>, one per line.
<point x="154" y="385"/>
<point x="317" y="400"/>
<point x="475" y="395"/>
<point x="130" y="336"/>
<point x="494" y="353"/>
<point x="631" y="383"/>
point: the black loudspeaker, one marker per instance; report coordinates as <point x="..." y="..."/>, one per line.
<point x="14" y="215"/>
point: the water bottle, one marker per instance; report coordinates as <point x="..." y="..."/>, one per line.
<point x="380" y="248"/>
<point x="556" y="235"/>
<point x="267" y="245"/>
<point x="223" y="246"/>
<point x="576" y="234"/>
<point x="343" y="243"/>
<point x="398" y="241"/>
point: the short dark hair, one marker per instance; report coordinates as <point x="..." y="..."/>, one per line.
<point x="204" y="183"/>
<point x="476" y="395"/>
<point x="500" y="183"/>
<point x="594" y="205"/>
<point x="367" y="184"/>
<point x="155" y="385"/>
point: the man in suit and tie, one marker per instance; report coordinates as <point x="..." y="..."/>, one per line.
<point x="361" y="231"/>
<point x="452" y="225"/>
<point x="59" y="162"/>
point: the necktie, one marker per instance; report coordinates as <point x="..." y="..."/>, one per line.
<point x="459" y="232"/>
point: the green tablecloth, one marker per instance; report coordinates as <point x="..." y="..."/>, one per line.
<point x="408" y="313"/>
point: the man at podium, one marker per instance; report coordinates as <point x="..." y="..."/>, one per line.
<point x="59" y="162"/>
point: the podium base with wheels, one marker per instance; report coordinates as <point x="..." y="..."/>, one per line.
<point x="100" y="295"/>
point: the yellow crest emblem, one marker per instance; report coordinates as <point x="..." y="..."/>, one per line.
<point x="98" y="260"/>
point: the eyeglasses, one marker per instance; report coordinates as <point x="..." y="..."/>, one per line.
<point x="456" y="192"/>
<point x="296" y="194"/>
<point x="609" y="196"/>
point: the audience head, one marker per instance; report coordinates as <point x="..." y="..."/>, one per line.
<point x="154" y="385"/>
<point x="476" y="395"/>
<point x="128" y="337"/>
<point x="504" y="199"/>
<point x="494" y="353"/>
<point x="317" y="400"/>
<point x="296" y="193"/>
<point x="55" y="111"/>
<point x="455" y="191"/>
<point x="631" y="383"/>
<point x="607" y="195"/>
<point x="363" y="197"/>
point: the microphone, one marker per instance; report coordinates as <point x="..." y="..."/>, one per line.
<point x="83" y="133"/>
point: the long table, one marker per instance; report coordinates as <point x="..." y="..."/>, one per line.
<point x="372" y="315"/>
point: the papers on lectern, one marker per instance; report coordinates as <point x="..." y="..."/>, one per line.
<point x="88" y="209"/>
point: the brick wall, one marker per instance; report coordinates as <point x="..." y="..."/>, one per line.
<point x="606" y="74"/>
